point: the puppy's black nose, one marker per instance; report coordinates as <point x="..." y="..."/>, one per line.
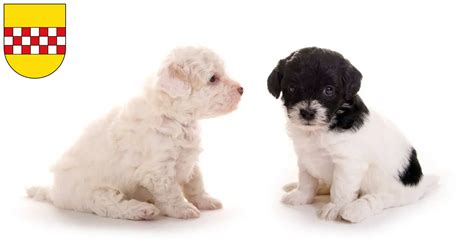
<point x="307" y="114"/>
<point x="240" y="90"/>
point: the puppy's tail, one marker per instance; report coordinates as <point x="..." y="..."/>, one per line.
<point x="323" y="188"/>
<point x="39" y="193"/>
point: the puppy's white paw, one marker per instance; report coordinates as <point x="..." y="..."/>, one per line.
<point x="355" y="211"/>
<point x="184" y="211"/>
<point x="330" y="211"/>
<point x="205" y="202"/>
<point x="143" y="211"/>
<point x="297" y="197"/>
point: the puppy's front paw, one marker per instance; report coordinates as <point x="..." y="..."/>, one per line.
<point x="184" y="211"/>
<point x="330" y="211"/>
<point x="297" y="197"/>
<point x="205" y="202"/>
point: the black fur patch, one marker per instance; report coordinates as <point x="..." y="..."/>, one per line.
<point x="350" y="116"/>
<point x="412" y="174"/>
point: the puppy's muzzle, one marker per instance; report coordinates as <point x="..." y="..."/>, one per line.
<point x="307" y="114"/>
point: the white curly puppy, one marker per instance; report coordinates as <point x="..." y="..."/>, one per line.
<point x="140" y="159"/>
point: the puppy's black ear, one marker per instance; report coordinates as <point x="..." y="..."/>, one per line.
<point x="274" y="80"/>
<point x="352" y="80"/>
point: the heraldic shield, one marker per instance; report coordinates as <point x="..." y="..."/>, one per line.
<point x="34" y="38"/>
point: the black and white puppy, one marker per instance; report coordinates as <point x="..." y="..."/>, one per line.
<point x="368" y="164"/>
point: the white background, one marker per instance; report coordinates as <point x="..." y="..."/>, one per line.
<point x="416" y="58"/>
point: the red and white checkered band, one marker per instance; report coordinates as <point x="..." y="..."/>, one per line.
<point x="37" y="40"/>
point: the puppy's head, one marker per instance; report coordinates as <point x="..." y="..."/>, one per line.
<point x="195" y="76"/>
<point x="314" y="83"/>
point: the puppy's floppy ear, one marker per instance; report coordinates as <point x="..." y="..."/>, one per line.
<point x="274" y="80"/>
<point x="172" y="80"/>
<point x="352" y="80"/>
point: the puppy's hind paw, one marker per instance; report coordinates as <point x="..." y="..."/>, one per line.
<point x="205" y="202"/>
<point x="330" y="211"/>
<point x="355" y="211"/>
<point x="142" y="211"/>
<point x="297" y="197"/>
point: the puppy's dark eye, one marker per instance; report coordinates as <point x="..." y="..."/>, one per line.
<point x="291" y="89"/>
<point x="329" y="90"/>
<point x="213" y="79"/>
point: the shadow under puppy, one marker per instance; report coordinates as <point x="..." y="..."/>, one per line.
<point x="368" y="164"/>
<point x="140" y="159"/>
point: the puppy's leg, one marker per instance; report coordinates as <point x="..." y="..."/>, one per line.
<point x="109" y="202"/>
<point x="160" y="181"/>
<point x="366" y="206"/>
<point x="347" y="178"/>
<point x="373" y="203"/>
<point x="305" y="191"/>
<point x="196" y="194"/>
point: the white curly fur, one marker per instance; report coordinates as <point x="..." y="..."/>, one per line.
<point x="140" y="159"/>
